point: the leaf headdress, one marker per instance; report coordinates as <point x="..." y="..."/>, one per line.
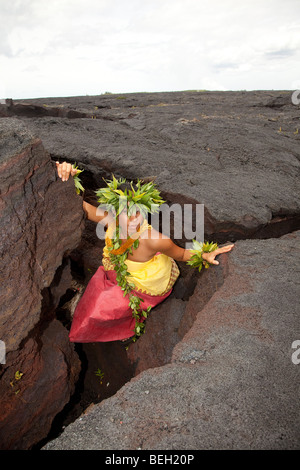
<point x="144" y="197"/>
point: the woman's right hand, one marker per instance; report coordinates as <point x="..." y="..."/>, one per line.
<point x="64" y="170"/>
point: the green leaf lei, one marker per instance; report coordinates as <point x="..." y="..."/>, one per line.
<point x="127" y="287"/>
<point x="196" y="261"/>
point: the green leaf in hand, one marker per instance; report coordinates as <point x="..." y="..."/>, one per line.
<point x="196" y="260"/>
<point x="77" y="180"/>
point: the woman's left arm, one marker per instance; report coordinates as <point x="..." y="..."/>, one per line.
<point x="168" y="247"/>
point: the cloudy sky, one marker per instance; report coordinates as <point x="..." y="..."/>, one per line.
<point x="89" y="47"/>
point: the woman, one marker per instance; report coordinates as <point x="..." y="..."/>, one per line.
<point x="139" y="268"/>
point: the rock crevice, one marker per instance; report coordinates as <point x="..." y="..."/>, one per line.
<point x="217" y="353"/>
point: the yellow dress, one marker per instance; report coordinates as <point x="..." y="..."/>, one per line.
<point x="104" y="314"/>
<point x="155" y="277"/>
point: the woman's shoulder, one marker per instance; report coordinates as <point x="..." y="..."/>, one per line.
<point x="155" y="240"/>
<point x="153" y="234"/>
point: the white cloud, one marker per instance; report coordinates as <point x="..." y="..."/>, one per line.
<point x="73" y="47"/>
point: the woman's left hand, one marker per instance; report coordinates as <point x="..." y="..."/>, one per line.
<point x="210" y="257"/>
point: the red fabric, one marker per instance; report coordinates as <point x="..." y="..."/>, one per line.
<point x="103" y="314"/>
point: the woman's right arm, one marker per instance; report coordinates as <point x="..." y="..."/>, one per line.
<point x="95" y="214"/>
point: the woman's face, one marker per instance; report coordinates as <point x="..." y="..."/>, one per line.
<point x="130" y="223"/>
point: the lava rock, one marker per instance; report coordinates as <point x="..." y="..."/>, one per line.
<point x="41" y="220"/>
<point x="235" y="152"/>
<point x="48" y="368"/>
<point x="231" y="382"/>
